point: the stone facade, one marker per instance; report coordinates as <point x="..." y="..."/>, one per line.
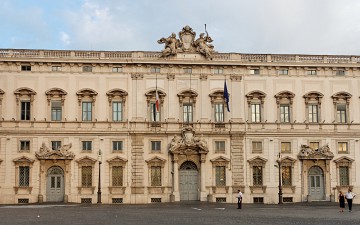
<point x="79" y="125"/>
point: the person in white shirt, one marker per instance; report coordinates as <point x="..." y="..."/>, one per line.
<point x="349" y="197"/>
<point x="239" y="197"/>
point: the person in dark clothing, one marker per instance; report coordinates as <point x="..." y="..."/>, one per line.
<point x="341" y="201"/>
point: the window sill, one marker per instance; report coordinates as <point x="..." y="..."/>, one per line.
<point x="117" y="190"/>
<point x="23" y="189"/>
<point x="257" y="189"/>
<point x="86" y="190"/>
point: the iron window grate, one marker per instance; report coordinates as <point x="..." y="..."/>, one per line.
<point x="259" y="200"/>
<point x="23" y="200"/>
<point x="287" y="199"/>
<point x="220" y="199"/>
<point x="117" y="200"/>
<point x="155" y="200"/>
<point x="86" y="200"/>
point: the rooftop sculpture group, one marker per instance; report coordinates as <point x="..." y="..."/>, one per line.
<point x="187" y="43"/>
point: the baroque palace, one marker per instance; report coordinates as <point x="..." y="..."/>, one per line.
<point x="186" y="123"/>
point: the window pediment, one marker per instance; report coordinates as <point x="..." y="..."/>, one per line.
<point x="313" y="96"/>
<point x="187" y="94"/>
<point x="156" y="161"/>
<point x="344" y="161"/>
<point x="287" y="161"/>
<point x="220" y="161"/>
<point x="117" y="160"/>
<point x="23" y="160"/>
<point x="116" y="93"/>
<point x="217" y="96"/>
<point x="86" y="160"/>
<point x="24" y="93"/>
<point x="257" y="161"/>
<point x="284" y="96"/>
<point x="152" y="95"/>
<point x="256" y="95"/>
<point x="341" y="97"/>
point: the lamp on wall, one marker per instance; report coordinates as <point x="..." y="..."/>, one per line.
<point x="280" y="180"/>
<point x="99" y="184"/>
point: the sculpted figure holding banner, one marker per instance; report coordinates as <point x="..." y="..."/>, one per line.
<point x="203" y="47"/>
<point x="171" y="45"/>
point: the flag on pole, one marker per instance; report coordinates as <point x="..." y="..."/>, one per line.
<point x="157" y="101"/>
<point x="226" y="96"/>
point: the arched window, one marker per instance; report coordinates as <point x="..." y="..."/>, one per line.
<point x="24" y="103"/>
<point x="284" y="102"/>
<point x="313" y="106"/>
<point x="341" y="102"/>
<point x="187" y="100"/>
<point x="255" y="100"/>
<point x="117" y="99"/>
<point x="86" y="100"/>
<point x="56" y="100"/>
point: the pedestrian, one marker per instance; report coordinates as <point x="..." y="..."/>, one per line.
<point x="349" y="197"/>
<point x="341" y="201"/>
<point x="239" y="197"/>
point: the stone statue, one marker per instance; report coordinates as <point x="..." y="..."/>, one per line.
<point x="171" y="45"/>
<point x="176" y="141"/>
<point x="203" y="47"/>
<point x="65" y="150"/>
<point x="44" y="149"/>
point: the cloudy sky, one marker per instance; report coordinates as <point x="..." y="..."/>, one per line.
<point x="243" y="26"/>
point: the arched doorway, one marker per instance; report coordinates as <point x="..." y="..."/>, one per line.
<point x="55" y="185"/>
<point x="189" y="181"/>
<point x="316" y="183"/>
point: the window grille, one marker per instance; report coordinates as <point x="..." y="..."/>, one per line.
<point x="286" y="175"/>
<point x="220" y="176"/>
<point x="220" y="199"/>
<point x="257" y="175"/>
<point x="86" y="200"/>
<point x="287" y="199"/>
<point x="117" y="176"/>
<point x="258" y="200"/>
<point x="156" y="176"/>
<point x="117" y="200"/>
<point x="86" y="176"/>
<point x="24" y="178"/>
<point x="344" y="175"/>
<point x="154" y="200"/>
<point x="23" y="200"/>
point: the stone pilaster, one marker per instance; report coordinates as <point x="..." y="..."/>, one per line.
<point x="237" y="162"/>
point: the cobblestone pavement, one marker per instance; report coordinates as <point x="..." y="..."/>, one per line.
<point x="324" y="213"/>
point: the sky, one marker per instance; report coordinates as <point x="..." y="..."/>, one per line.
<point x="322" y="27"/>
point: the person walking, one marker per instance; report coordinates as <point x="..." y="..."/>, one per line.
<point x="349" y="197"/>
<point x="341" y="201"/>
<point x="239" y="197"/>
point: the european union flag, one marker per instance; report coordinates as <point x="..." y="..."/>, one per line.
<point x="226" y="96"/>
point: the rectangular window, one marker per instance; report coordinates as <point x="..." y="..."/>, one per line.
<point x="188" y="112"/>
<point x="254" y="71"/>
<point x="341" y="113"/>
<point x="219" y="112"/>
<point x="25" y="110"/>
<point x="342" y="147"/>
<point x="286" y="175"/>
<point x="344" y="175"/>
<point x="117" y="145"/>
<point x="286" y="147"/>
<point x="56" y="68"/>
<point x="314" y="145"/>
<point x="188" y="70"/>
<point x="157" y="113"/>
<point x="311" y="72"/>
<point x="55" y="145"/>
<point x="87" y="111"/>
<point x="87" y="68"/>
<point x="255" y="113"/>
<point x="256" y="147"/>
<point x="257" y="175"/>
<point x="313" y="113"/>
<point x="155" y="145"/>
<point x="218" y="71"/>
<point x="24" y="176"/>
<point x="117" y="176"/>
<point x="86" y="145"/>
<point x="117" y="69"/>
<point x="155" y="70"/>
<point x="340" y="72"/>
<point x="56" y="111"/>
<point x="220" y="175"/>
<point x="283" y="72"/>
<point x="24" y="145"/>
<point x="117" y="108"/>
<point x="284" y="113"/>
<point x="25" y="68"/>
<point x="86" y="176"/>
<point x="156" y="176"/>
<point x="219" y="146"/>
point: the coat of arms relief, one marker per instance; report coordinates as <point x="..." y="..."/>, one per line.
<point x="187" y="43"/>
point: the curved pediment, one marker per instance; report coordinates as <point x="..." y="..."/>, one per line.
<point x="56" y="92"/>
<point x="188" y="144"/>
<point x="86" y="92"/>
<point x="48" y="153"/>
<point x="307" y="152"/>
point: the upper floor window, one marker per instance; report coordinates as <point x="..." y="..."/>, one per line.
<point x="255" y="101"/>
<point x="218" y="71"/>
<point x="314" y="145"/>
<point x="343" y="147"/>
<point x="284" y="101"/>
<point x="188" y="70"/>
<point x="313" y="113"/>
<point x="187" y="100"/>
<point x="86" y="145"/>
<point x="219" y="112"/>
<point x="311" y="72"/>
<point x="219" y="146"/>
<point x="156" y="146"/>
<point x="55" y="145"/>
<point x="25" y="68"/>
<point x="155" y="70"/>
<point x="154" y="112"/>
<point x="117" y="111"/>
<point x="87" y="68"/>
<point x="87" y="111"/>
<point x="188" y="112"/>
<point x="340" y="73"/>
<point x="155" y="101"/>
<point x="284" y="113"/>
<point x="283" y="71"/>
<point x="256" y="147"/>
<point x="341" y="113"/>
<point x="117" y="99"/>
<point x="313" y="106"/>
<point x="25" y="145"/>
<point x="117" y="69"/>
<point x="254" y="71"/>
<point x="56" y="68"/>
<point x="25" y="110"/>
<point x="117" y="145"/>
<point x="285" y="147"/>
<point x="56" y="110"/>
<point x="86" y="100"/>
<point x="341" y="102"/>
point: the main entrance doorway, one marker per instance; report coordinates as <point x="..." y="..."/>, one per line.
<point x="55" y="185"/>
<point x="316" y="183"/>
<point x="188" y="180"/>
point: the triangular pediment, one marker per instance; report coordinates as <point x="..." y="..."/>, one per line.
<point x="344" y="159"/>
<point x="257" y="161"/>
<point x="117" y="160"/>
<point x="23" y="159"/>
<point x="155" y="159"/>
<point x="86" y="160"/>
<point x="220" y="159"/>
